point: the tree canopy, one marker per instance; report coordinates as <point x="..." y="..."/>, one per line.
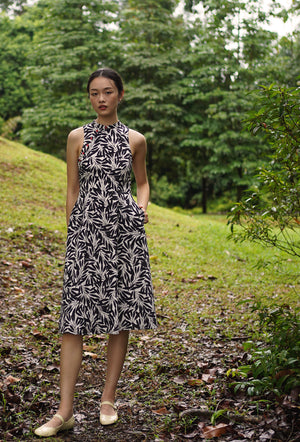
<point x="188" y="78"/>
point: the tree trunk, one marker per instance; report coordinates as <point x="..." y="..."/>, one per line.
<point x="204" y="194"/>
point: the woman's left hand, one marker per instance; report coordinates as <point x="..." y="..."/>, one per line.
<point x="145" y="214"/>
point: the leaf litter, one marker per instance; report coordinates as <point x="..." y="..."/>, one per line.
<point x="173" y="387"/>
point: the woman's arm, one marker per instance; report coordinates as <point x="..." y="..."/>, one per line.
<point x="138" y="147"/>
<point x="74" y="145"/>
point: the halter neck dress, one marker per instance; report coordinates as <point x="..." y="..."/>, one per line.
<point x="107" y="281"/>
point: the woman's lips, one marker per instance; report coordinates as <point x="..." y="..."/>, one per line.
<point x="102" y="107"/>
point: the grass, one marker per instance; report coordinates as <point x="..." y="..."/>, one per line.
<point x="33" y="187"/>
<point x="191" y="258"/>
<point x="195" y="265"/>
<point x="200" y="279"/>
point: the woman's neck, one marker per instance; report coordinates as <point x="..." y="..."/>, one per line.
<point x="107" y="121"/>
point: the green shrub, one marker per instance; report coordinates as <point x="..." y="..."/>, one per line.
<point x="270" y="213"/>
<point x="275" y="361"/>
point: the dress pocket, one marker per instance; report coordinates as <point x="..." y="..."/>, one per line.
<point x="140" y="211"/>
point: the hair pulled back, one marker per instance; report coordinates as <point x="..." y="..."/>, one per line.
<point x="107" y="73"/>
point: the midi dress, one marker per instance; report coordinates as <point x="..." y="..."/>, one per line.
<point x="107" y="283"/>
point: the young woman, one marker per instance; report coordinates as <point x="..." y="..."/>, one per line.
<point x="107" y="283"/>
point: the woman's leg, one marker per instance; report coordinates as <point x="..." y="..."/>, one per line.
<point x="70" y="362"/>
<point x="116" y="352"/>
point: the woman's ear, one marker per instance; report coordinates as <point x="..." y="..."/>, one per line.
<point x="121" y="95"/>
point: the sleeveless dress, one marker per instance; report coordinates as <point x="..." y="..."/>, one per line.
<point x="107" y="282"/>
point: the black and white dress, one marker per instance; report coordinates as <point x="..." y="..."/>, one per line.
<point x="107" y="282"/>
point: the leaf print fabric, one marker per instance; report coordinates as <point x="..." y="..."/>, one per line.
<point x="107" y="281"/>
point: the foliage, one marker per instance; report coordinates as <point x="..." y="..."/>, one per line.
<point x="72" y="39"/>
<point x="15" y="6"/>
<point x="153" y="41"/>
<point x="9" y="128"/>
<point x="227" y="57"/>
<point x="15" y="88"/>
<point x="271" y="213"/>
<point x="275" y="362"/>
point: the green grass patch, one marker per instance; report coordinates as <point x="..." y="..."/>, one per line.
<point x="32" y="187"/>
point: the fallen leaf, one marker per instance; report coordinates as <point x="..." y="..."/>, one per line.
<point x="19" y="289"/>
<point x="180" y="406"/>
<point x="38" y="335"/>
<point x="6" y="263"/>
<point x="161" y="411"/>
<point x="207" y="378"/>
<point x="52" y="368"/>
<point x="191" y="435"/>
<point x="50" y="317"/>
<point x="11" y="380"/>
<point x="212" y="371"/>
<point x="211" y="277"/>
<point x="92" y="355"/>
<point x="145" y="338"/>
<point x="217" y="431"/>
<point x="91" y="348"/>
<point x="27" y="264"/>
<point x="200" y="276"/>
<point x="179" y="380"/>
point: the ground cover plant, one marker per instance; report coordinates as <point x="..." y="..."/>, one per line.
<point x="179" y="382"/>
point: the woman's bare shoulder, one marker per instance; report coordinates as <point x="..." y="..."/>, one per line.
<point x="136" y="139"/>
<point x="75" y="142"/>
<point x="76" y="134"/>
<point x="137" y="136"/>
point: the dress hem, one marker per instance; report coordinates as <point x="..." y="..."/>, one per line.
<point x="113" y="332"/>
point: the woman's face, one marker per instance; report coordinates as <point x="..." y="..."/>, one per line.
<point x="105" y="97"/>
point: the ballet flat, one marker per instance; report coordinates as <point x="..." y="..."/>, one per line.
<point x="45" y="431"/>
<point x="105" y="419"/>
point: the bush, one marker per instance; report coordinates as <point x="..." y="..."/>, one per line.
<point x="270" y="214"/>
<point x="275" y="362"/>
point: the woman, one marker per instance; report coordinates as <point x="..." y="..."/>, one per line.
<point x="107" y="283"/>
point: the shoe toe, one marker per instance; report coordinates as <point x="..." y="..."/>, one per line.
<point x="108" y="420"/>
<point x="45" y="431"/>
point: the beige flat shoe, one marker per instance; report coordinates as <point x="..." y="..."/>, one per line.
<point x="45" y="431"/>
<point x="105" y="419"/>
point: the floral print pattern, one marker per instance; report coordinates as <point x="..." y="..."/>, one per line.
<point x="107" y="282"/>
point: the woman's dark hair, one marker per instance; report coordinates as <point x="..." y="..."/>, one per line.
<point x="107" y="73"/>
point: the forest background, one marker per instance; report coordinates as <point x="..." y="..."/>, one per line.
<point x="191" y="79"/>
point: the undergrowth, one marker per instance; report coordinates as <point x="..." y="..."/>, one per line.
<point x="275" y="358"/>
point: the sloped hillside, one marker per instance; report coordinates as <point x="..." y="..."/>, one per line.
<point x="32" y="187"/>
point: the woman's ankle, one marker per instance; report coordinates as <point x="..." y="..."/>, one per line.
<point x="65" y="413"/>
<point x="109" y="396"/>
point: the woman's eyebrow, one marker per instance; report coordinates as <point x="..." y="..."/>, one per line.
<point x="106" y="88"/>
